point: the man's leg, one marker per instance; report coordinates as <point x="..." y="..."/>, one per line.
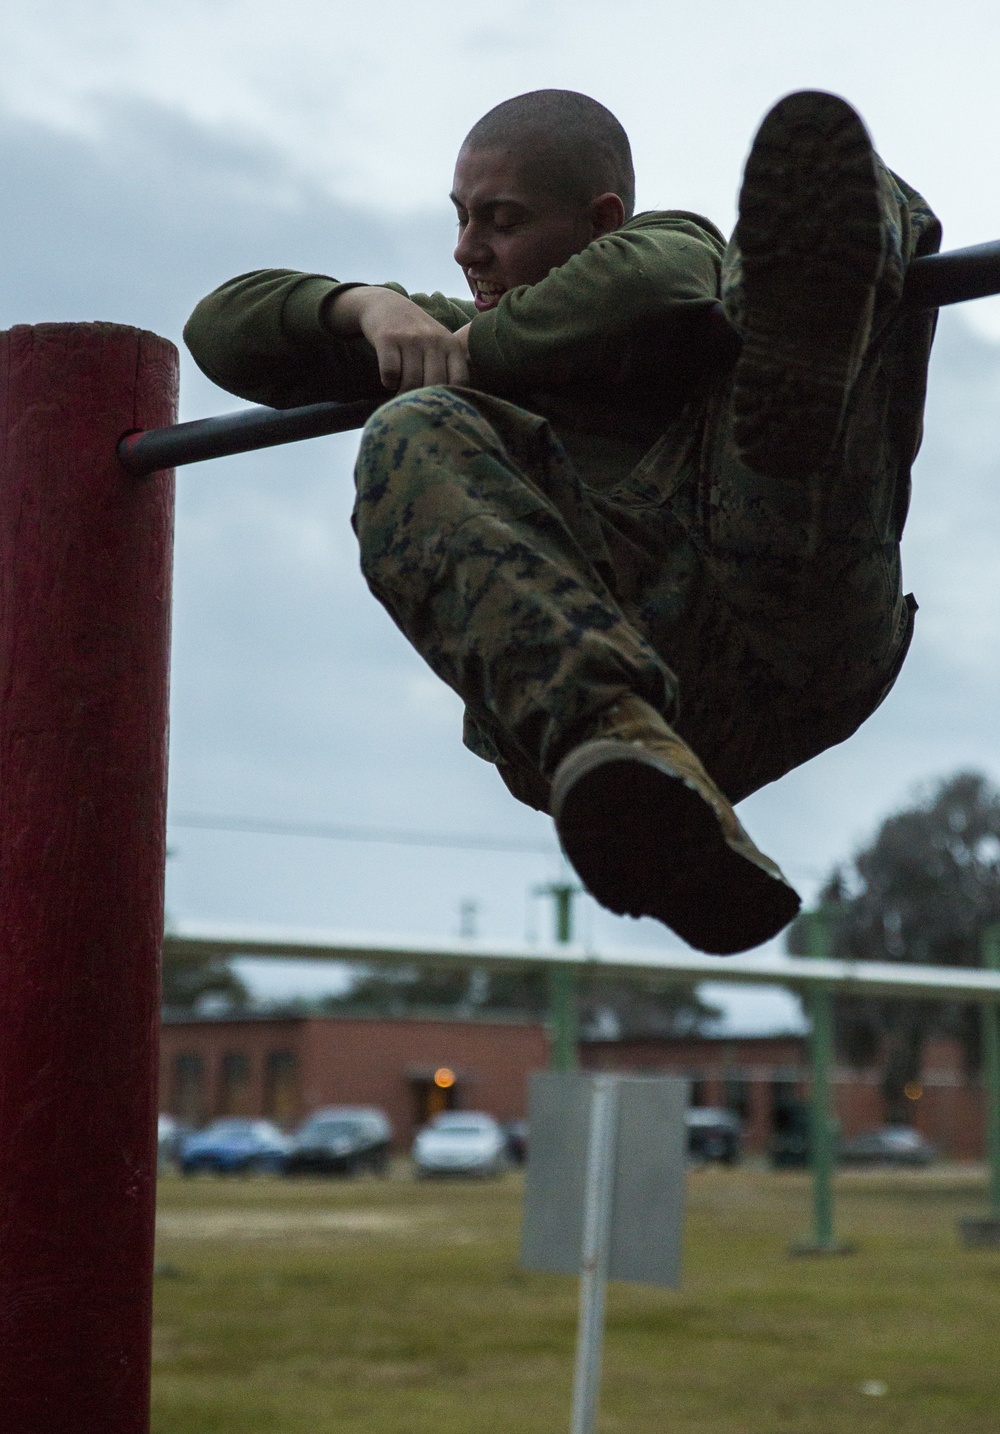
<point x="821" y="243"/>
<point x="478" y="538"/>
<point x="808" y="564"/>
<point x="795" y="624"/>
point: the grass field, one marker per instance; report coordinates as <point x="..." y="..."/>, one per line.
<point x="397" y="1307"/>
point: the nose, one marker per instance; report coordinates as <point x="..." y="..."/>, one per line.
<point x="472" y="248"/>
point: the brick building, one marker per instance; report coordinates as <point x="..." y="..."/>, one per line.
<point x="284" y="1067"/>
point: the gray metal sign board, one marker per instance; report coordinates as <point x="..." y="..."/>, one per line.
<point x="647" y="1183"/>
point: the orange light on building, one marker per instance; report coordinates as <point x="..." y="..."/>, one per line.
<point x="444" y="1078"/>
<point x="913" y="1090"/>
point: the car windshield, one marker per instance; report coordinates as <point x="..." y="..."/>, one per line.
<point x="334" y="1129"/>
<point x="231" y="1127"/>
<point x="900" y="1136"/>
<point x="467" y="1127"/>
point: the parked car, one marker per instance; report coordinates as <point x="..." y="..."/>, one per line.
<point x="232" y="1145"/>
<point x="341" y="1140"/>
<point x="892" y="1145"/>
<point x="712" y="1134"/>
<point x="170" y="1136"/>
<point x="465" y="1142"/>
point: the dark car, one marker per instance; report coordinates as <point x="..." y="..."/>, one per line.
<point x="892" y="1145"/>
<point x="712" y="1134"/>
<point x="516" y="1136"/>
<point x="232" y="1146"/>
<point x="341" y="1140"/>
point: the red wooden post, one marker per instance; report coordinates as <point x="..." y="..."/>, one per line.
<point x="84" y="631"/>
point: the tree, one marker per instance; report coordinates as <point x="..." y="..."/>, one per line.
<point x="186" y="982"/>
<point x="635" y="1005"/>
<point x="923" y="891"/>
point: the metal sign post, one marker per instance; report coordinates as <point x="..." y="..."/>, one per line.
<point x="595" y="1253"/>
<point x="604" y="1197"/>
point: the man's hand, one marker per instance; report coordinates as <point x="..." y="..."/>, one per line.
<point x="412" y="348"/>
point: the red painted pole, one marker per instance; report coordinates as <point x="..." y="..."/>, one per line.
<point x="84" y="630"/>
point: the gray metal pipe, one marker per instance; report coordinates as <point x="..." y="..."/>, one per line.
<point x="931" y="282"/>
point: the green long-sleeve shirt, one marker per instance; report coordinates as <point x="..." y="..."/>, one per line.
<point x="607" y="346"/>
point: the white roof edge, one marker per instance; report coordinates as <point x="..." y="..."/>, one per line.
<point x="875" y="977"/>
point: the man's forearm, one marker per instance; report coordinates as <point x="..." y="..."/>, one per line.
<point x="261" y="336"/>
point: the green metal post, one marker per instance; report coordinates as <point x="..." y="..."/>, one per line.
<point x="822" y="1118"/>
<point x="991" y="1069"/>
<point x="564" y="1034"/>
<point x="821" y="1113"/>
<point x="563" y="1019"/>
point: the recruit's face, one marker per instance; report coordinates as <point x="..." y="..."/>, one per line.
<point x="508" y="232"/>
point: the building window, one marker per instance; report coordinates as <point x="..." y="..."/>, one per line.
<point x="234" y="1088"/>
<point x="281" y="1087"/>
<point x="736" y="1094"/>
<point x="188" y="1102"/>
<point x="698" y="1087"/>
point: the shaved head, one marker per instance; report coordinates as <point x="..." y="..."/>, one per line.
<point x="569" y="145"/>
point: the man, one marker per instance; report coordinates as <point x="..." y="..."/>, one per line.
<point x="658" y="578"/>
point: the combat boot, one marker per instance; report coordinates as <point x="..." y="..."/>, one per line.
<point x="803" y="267"/>
<point x="649" y="834"/>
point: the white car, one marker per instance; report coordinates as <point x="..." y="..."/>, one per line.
<point x="461" y="1142"/>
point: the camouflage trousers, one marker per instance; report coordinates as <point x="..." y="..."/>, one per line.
<point x="764" y="618"/>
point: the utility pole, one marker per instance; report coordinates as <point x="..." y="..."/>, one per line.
<point x="977" y="1230"/>
<point x="564" y="1023"/>
<point x="991" y="1070"/>
<point x="822" y="1116"/>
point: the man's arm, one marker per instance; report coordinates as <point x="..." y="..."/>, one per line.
<point x="280" y="337"/>
<point x="619" y="311"/>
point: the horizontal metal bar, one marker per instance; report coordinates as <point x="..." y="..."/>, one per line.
<point x="147" y="452"/>
<point x="872" y="978"/>
<point x="931" y="281"/>
<point x="953" y="277"/>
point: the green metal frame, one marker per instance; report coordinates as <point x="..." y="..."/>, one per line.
<point x="564" y="985"/>
<point x="822" y="1114"/>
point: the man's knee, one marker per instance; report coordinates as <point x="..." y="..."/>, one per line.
<point x="411" y="416"/>
<point x="411" y="478"/>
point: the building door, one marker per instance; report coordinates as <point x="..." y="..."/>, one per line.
<point x="789" y="1144"/>
<point x="281" y="1087"/>
<point x="433" y="1094"/>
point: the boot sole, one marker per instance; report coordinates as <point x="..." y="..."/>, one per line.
<point x="645" y="843"/>
<point x="810" y="239"/>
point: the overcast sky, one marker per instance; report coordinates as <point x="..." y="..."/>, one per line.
<point x="148" y="152"/>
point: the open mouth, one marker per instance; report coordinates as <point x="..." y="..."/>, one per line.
<point x="487" y="296"/>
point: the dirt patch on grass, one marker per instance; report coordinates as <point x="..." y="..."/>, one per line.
<point x="245" y="1224"/>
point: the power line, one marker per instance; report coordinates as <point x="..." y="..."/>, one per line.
<point x="392" y="836"/>
<point x="335" y="831"/>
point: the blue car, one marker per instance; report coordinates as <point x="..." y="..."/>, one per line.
<point x="232" y="1146"/>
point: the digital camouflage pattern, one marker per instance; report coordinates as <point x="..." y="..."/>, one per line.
<point x="764" y="618"/>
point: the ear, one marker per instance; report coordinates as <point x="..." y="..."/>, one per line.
<point x="607" y="212"/>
